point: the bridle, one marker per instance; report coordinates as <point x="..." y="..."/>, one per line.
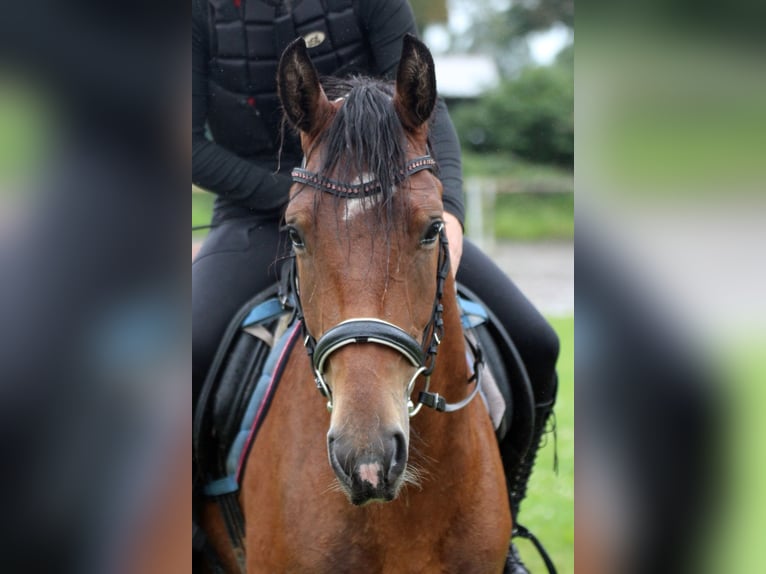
<point x="364" y="189"/>
<point x="421" y="355"/>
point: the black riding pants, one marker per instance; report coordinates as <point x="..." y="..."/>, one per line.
<point x="241" y="257"/>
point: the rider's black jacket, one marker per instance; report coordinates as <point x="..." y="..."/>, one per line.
<point x="236" y="135"/>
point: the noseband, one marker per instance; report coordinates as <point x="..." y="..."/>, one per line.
<point x="421" y="355"/>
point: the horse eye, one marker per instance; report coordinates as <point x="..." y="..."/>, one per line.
<point x="432" y="233"/>
<point x="295" y="238"/>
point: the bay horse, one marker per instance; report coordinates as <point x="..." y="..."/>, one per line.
<point x="404" y="491"/>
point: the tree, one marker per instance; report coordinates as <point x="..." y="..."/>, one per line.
<point x="501" y="27"/>
<point x="527" y="16"/>
<point x="531" y="116"/>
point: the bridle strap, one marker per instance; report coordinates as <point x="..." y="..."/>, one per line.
<point x="367" y="330"/>
<point x="439" y="403"/>
<point x="363" y="189"/>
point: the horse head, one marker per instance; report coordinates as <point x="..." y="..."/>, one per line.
<point x="365" y="221"/>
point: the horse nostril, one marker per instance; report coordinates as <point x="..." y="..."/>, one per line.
<point x="368" y="468"/>
<point x="398" y="456"/>
<point x="338" y="458"/>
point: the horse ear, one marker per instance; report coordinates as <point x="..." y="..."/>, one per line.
<point x="300" y="92"/>
<point x="415" y="96"/>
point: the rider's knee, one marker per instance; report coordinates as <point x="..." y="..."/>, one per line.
<point x="548" y="344"/>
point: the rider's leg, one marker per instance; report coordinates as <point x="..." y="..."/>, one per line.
<point x="537" y="344"/>
<point x="236" y="262"/>
<point x="534" y="338"/>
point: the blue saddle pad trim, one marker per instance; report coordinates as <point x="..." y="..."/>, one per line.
<point x="472" y="314"/>
<point x="230" y="483"/>
<point x="222" y="486"/>
<point x="266" y="311"/>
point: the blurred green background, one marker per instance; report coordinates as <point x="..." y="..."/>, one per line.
<point x="25" y="129"/>
<point x="670" y="145"/>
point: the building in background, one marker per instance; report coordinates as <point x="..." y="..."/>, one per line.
<point x="465" y="76"/>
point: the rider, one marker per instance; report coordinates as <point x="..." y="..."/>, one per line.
<point x="239" y="154"/>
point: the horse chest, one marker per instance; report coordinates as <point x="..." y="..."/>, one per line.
<point x="328" y="535"/>
<point x="417" y="555"/>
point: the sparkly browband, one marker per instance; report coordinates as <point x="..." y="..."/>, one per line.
<point x="340" y="189"/>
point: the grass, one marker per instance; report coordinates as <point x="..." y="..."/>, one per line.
<point x="202" y="209"/>
<point x="514" y="175"/>
<point x="534" y="216"/>
<point x="548" y="510"/>
<point x="734" y="539"/>
<point x="530" y="202"/>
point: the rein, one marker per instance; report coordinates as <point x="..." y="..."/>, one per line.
<point x="421" y="355"/>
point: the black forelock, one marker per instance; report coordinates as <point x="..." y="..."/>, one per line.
<point x="366" y="135"/>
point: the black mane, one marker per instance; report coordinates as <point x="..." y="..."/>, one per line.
<point x="366" y="135"/>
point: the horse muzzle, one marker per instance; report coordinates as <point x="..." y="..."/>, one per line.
<point x="371" y="473"/>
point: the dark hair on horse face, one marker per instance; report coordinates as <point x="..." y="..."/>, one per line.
<point x="366" y="134"/>
<point x="366" y="137"/>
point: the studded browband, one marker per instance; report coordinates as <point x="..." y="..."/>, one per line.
<point x="364" y="189"/>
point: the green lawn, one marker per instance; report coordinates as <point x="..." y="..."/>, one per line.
<point x="202" y="208"/>
<point x="515" y="175"/>
<point x="735" y="537"/>
<point x="531" y="201"/>
<point x="548" y="510"/>
<point x="534" y="216"/>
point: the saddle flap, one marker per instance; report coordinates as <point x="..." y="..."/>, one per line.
<point x="230" y="379"/>
<point x="508" y="372"/>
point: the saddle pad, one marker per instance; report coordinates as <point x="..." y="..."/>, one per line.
<point x="495" y="387"/>
<point x="255" y="413"/>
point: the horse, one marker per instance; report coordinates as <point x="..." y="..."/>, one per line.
<point x="370" y="481"/>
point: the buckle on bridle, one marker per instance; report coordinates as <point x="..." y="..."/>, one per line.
<point x="323" y="388"/>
